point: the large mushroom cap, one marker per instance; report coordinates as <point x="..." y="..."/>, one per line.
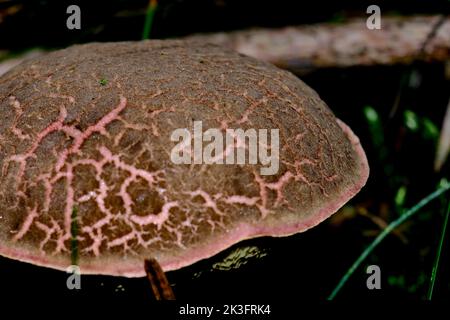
<point x="87" y="130"/>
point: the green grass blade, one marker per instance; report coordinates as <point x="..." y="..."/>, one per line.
<point x="438" y="255"/>
<point x="394" y="224"/>
<point x="151" y="9"/>
<point x="73" y="236"/>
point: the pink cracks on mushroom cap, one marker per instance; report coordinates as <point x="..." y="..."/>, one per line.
<point x="69" y="140"/>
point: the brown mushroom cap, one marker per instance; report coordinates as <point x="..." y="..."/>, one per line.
<point x="89" y="128"/>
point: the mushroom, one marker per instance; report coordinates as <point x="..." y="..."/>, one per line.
<point x="88" y="130"/>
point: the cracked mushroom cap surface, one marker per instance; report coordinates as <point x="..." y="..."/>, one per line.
<point x="87" y="129"/>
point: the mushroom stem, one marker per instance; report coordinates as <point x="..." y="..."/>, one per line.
<point x="158" y="281"/>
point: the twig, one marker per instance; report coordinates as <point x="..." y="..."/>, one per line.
<point x="438" y="24"/>
<point x="302" y="48"/>
<point x="158" y="280"/>
<point x="421" y="55"/>
<point x="382" y="224"/>
<point x="443" y="147"/>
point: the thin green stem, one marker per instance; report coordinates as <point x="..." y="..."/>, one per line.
<point x="151" y="9"/>
<point x="438" y="255"/>
<point x="74" y="235"/>
<point x="394" y="224"/>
